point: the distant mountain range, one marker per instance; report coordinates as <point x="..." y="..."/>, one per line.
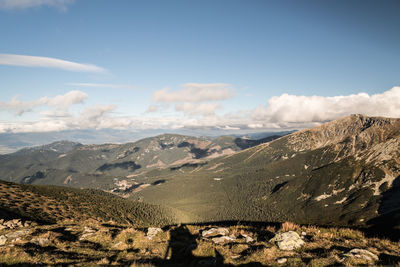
<point x="104" y="166"/>
<point x="11" y="142"/>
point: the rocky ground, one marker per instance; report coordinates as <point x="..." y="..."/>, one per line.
<point x="93" y="243"/>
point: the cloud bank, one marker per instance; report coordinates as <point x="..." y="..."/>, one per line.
<point x="22" y="4"/>
<point x="47" y="62"/>
<point x="282" y="112"/>
<point x="305" y="109"/>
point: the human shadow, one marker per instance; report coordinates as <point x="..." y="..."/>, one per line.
<point x="181" y="244"/>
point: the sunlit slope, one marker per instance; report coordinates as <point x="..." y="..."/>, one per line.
<point x="345" y="172"/>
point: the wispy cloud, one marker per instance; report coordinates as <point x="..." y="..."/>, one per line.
<point x="104" y="85"/>
<point x="47" y="62"/>
<point x="22" y="4"/>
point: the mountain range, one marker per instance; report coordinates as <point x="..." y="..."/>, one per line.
<point x="344" y="172"/>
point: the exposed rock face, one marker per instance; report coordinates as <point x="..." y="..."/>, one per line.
<point x="288" y="240"/>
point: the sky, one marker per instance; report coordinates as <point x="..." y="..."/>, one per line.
<point x="220" y="64"/>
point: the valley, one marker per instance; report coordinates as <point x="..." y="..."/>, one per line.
<point x="336" y="186"/>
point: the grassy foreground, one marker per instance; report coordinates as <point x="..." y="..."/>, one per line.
<point x="91" y="243"/>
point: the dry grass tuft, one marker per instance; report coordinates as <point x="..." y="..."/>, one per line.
<point x="289" y="226"/>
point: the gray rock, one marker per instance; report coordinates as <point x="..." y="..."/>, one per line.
<point x="153" y="231"/>
<point x="362" y="254"/>
<point x="287" y="241"/>
<point x="223" y="239"/>
<point x="215" y="232"/>
<point x="3" y="240"/>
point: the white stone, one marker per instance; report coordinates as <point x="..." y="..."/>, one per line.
<point x="215" y="232"/>
<point x="282" y="260"/>
<point x="223" y="239"/>
<point x="153" y="231"/>
<point x="288" y="241"/>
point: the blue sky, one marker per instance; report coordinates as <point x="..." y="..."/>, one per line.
<point x="176" y="64"/>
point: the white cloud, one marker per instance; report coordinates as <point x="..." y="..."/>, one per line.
<point x="205" y="109"/>
<point x="104" y="85"/>
<point x="47" y="62"/>
<point x="152" y="109"/>
<point x="194" y="92"/>
<point x="61" y="102"/>
<point x="310" y="109"/>
<point x="282" y="113"/>
<point x="22" y="4"/>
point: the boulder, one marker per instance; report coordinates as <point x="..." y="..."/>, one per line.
<point x="362" y="254"/>
<point x="153" y="231"/>
<point x="288" y="240"/>
<point x="220" y="231"/>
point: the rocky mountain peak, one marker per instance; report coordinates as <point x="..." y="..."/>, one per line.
<point x="355" y="131"/>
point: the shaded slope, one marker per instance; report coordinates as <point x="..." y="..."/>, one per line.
<point x="51" y="204"/>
